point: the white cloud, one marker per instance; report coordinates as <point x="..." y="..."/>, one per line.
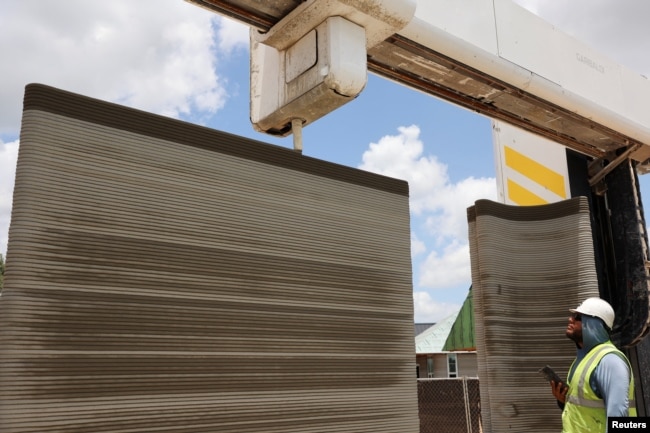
<point x="448" y="269"/>
<point x="232" y="35"/>
<point x="417" y="246"/>
<point x="400" y="156"/>
<point x="427" y="310"/>
<point x="431" y="191"/>
<point x="8" y="156"/>
<point x="451" y="203"/>
<point x="156" y="55"/>
<point x="434" y="197"/>
<point x="161" y="56"/>
<point x="178" y="76"/>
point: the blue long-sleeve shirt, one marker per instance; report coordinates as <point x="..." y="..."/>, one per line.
<point x="611" y="382"/>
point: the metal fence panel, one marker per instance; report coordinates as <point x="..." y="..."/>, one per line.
<point x="449" y="405"/>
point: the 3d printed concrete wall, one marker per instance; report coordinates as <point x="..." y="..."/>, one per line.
<point x="163" y="276"/>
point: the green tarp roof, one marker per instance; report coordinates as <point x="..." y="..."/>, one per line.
<point x="461" y="335"/>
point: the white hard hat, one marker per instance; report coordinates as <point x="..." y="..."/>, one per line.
<point x="597" y="307"/>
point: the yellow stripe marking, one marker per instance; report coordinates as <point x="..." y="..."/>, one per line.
<point x="521" y="196"/>
<point x="535" y="171"/>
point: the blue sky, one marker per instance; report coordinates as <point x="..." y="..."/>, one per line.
<point x="175" y="59"/>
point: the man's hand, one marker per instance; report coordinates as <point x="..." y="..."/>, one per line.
<point x="559" y="391"/>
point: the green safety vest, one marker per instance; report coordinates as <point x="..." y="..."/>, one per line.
<point x="583" y="411"/>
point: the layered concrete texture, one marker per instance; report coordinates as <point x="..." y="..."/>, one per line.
<point x="163" y="276"/>
<point x="530" y="264"/>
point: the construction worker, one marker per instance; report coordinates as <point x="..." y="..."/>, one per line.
<point x="600" y="382"/>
